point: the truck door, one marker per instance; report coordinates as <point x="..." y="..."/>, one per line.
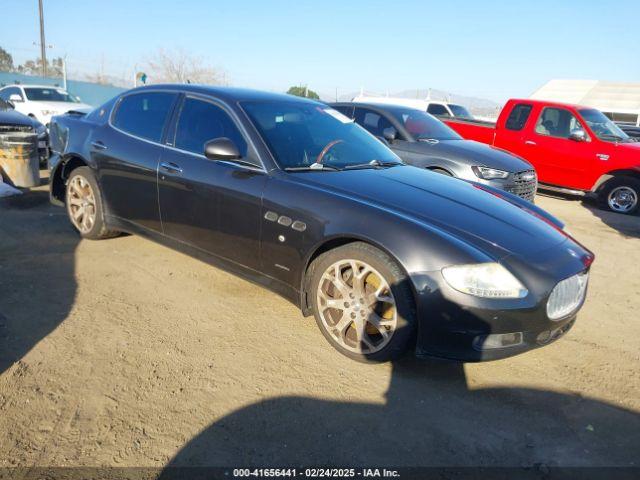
<point x="559" y="158"/>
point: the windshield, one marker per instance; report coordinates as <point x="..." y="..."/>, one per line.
<point x="423" y="126"/>
<point x="602" y="127"/>
<point x="300" y="134"/>
<point x="460" y="111"/>
<point x="49" y="95"/>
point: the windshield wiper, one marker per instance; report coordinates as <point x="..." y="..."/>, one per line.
<point x="311" y="168"/>
<point x="372" y="164"/>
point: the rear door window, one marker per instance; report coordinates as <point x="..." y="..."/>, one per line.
<point x="144" y="115"/>
<point x="518" y="117"/>
<point x="345" y="110"/>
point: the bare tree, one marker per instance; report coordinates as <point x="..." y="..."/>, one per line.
<point x="178" y="66"/>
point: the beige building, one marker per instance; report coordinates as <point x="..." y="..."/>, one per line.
<point x="619" y="101"/>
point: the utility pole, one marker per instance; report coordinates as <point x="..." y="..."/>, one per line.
<point x="43" y="47"/>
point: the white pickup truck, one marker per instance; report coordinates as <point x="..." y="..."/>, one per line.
<point x="434" y="107"/>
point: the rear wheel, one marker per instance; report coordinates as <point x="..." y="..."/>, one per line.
<point x="621" y="195"/>
<point x="84" y="205"/>
<point x="362" y="302"/>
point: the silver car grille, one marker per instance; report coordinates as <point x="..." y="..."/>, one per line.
<point x="524" y="185"/>
<point x="15" y="128"/>
<point x="567" y="296"/>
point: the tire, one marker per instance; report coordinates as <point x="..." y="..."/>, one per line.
<point x="347" y="310"/>
<point x="621" y="195"/>
<point x="84" y="205"/>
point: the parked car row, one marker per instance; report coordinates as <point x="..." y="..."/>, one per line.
<point x="41" y="101"/>
<point x="12" y="121"/>
<point x="297" y="196"/>
<point x="574" y="149"/>
<point x="421" y="140"/>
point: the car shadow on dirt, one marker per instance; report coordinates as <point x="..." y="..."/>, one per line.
<point x="430" y="416"/>
<point x="626" y="225"/>
<point x="37" y="273"/>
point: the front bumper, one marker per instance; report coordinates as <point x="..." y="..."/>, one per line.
<point x="454" y="325"/>
<point x="454" y="331"/>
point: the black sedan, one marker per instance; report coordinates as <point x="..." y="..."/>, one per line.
<point x="422" y="140"/>
<point x="292" y="194"/>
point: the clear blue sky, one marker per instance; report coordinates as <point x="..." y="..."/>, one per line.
<point x="486" y="48"/>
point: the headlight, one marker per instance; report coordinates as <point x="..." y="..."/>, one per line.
<point x="487" y="173"/>
<point x="41" y="130"/>
<point x="487" y="280"/>
<point x="47" y="113"/>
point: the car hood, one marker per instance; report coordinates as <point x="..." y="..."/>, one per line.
<point x="474" y="153"/>
<point x="483" y="219"/>
<point x="11" y="117"/>
<point x="63" y="107"/>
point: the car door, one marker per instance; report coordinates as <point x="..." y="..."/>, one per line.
<point x="127" y="151"/>
<point x="214" y="206"/>
<point x="558" y="159"/>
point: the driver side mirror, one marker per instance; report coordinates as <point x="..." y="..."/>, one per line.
<point x="389" y="134"/>
<point x="578" y="135"/>
<point x="15" y="98"/>
<point x="221" y="148"/>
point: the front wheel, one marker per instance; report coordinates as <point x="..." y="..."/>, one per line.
<point x="621" y="195"/>
<point x="362" y="302"/>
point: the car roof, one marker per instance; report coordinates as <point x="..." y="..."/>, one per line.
<point x="229" y="94"/>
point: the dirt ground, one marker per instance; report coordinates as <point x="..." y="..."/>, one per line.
<point x="125" y="353"/>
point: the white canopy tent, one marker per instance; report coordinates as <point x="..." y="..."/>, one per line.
<point x="619" y="101"/>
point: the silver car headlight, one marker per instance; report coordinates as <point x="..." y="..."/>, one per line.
<point x="486" y="280"/>
<point x="487" y="173"/>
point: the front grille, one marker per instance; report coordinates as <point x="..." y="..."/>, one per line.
<point x="15" y="128"/>
<point x="567" y="296"/>
<point x="524" y="185"/>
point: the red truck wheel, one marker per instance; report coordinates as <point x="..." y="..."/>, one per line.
<point x="621" y="195"/>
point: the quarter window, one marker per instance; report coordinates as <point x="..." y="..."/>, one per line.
<point x="202" y="121"/>
<point x="144" y="114"/>
<point x="518" y="117"/>
<point x="556" y="122"/>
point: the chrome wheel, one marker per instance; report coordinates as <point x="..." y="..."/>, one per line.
<point x="356" y="306"/>
<point x="622" y="199"/>
<point x="81" y="204"/>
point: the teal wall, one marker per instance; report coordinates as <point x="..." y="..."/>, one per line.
<point x="90" y="93"/>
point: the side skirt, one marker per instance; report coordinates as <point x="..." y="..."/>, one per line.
<point x="286" y="291"/>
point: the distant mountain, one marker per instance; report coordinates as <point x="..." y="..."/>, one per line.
<point x="481" y="107"/>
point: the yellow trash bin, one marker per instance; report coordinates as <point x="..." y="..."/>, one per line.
<point x="19" y="161"/>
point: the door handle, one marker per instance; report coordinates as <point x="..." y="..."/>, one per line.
<point x="530" y="142"/>
<point x="98" y="145"/>
<point x="170" y="167"/>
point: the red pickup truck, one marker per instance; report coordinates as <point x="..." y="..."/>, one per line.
<point x="574" y="149"/>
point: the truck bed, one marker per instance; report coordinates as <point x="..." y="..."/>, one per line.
<point x="478" y="130"/>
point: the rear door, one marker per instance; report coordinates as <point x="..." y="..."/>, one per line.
<point x="511" y="135"/>
<point x="212" y="205"/>
<point x="558" y="159"/>
<point x="127" y="151"/>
